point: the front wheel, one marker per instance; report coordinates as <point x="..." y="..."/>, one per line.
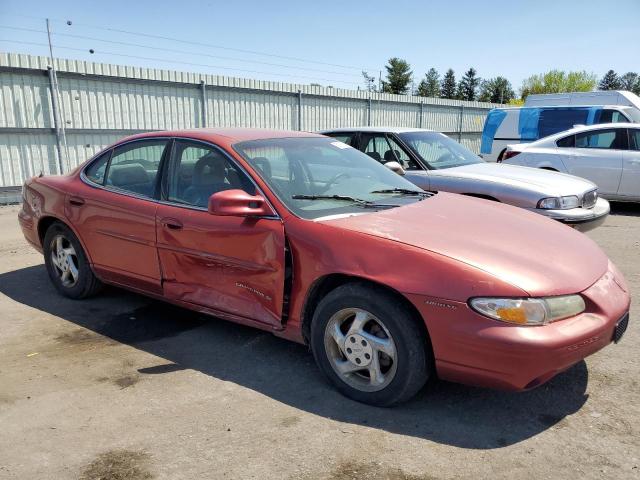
<point x="369" y="345"/>
<point x="67" y="263"/>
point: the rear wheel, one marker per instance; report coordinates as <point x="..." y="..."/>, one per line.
<point x="369" y="345"/>
<point x="67" y="263"/>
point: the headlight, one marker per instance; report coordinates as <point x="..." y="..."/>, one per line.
<point x="559" y="203"/>
<point x="529" y="311"/>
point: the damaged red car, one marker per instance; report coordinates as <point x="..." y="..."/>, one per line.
<point x="308" y="238"/>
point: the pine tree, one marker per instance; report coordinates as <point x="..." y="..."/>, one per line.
<point x="430" y="85"/>
<point x="398" y="76"/>
<point x="610" y="81"/>
<point x="468" y="86"/>
<point x="448" y="86"/>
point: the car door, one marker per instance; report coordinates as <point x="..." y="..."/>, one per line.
<point x="630" y="181"/>
<point x="114" y="212"/>
<point x="597" y="156"/>
<point x="233" y="265"/>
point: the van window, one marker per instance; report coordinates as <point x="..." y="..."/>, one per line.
<point x="556" y="120"/>
<point x="612" y="116"/>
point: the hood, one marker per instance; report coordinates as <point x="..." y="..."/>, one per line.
<point x="543" y="181"/>
<point x="527" y="250"/>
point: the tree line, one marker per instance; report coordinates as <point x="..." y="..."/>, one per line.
<point x="399" y="80"/>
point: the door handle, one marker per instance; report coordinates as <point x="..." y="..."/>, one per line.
<point x="171" y="223"/>
<point x="76" y="201"/>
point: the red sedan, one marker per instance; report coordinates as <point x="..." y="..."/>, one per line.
<point x="304" y="236"/>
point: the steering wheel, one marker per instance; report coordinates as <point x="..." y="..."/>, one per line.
<point x="442" y="157"/>
<point x="334" y="180"/>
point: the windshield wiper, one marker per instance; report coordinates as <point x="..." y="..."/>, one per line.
<point x="346" y="198"/>
<point x="403" y="191"/>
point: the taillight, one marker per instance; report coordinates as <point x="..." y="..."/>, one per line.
<point x="509" y="154"/>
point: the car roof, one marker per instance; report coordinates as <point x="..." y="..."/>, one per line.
<point x="375" y="129"/>
<point x="228" y="135"/>
<point x="598" y="126"/>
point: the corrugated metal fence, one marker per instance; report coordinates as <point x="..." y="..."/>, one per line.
<point x="100" y="103"/>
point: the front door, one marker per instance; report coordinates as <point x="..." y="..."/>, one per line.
<point x="630" y="181"/>
<point x="115" y="212"/>
<point x="597" y="156"/>
<point x="235" y="265"/>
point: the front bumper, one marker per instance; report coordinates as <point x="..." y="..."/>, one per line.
<point x="583" y="219"/>
<point x="472" y="349"/>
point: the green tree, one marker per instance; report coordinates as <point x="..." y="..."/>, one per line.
<point x="468" y="85"/>
<point x="558" y="81"/>
<point x="430" y="85"/>
<point x="398" y="76"/>
<point x="448" y="86"/>
<point x="496" y="90"/>
<point x="610" y="81"/>
<point x="630" y="81"/>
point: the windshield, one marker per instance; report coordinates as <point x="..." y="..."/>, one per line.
<point x="438" y="151"/>
<point x="318" y="176"/>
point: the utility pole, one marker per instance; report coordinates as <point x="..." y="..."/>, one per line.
<point x="57" y="107"/>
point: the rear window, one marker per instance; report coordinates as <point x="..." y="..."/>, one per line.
<point x="567" y="142"/>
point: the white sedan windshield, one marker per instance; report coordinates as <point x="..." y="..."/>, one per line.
<point x="439" y="151"/>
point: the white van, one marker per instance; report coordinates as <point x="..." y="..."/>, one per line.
<point x="545" y="115"/>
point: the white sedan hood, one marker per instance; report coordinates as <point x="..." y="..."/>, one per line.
<point x="544" y="181"/>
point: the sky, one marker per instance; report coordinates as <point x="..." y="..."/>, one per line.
<point x="331" y="42"/>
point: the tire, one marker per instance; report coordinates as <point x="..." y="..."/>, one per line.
<point x="63" y="255"/>
<point x="386" y="325"/>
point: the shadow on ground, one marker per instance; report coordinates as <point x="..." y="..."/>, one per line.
<point x="626" y="209"/>
<point x="446" y="413"/>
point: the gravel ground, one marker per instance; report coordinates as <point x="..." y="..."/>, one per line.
<point x="120" y="386"/>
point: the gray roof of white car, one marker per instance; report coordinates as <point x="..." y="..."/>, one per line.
<point x="376" y="129"/>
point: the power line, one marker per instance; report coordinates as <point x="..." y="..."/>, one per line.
<point x="208" y="45"/>
<point x="130" y="44"/>
<point x="156" y="59"/>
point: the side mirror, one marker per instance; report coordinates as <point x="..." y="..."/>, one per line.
<point x="238" y="203"/>
<point x="395" y="167"/>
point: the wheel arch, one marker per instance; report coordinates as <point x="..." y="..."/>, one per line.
<point x="46" y="221"/>
<point x="324" y="285"/>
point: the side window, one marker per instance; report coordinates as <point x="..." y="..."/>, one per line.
<point x="406" y="161"/>
<point x="634" y="139"/>
<point x="197" y="171"/>
<point x="377" y="147"/>
<point x="343" y="137"/>
<point x="601" y="139"/>
<point x="556" y="120"/>
<point x="95" y="172"/>
<point x="134" y="166"/>
<point x="612" y="116"/>
<point x="567" y="142"/>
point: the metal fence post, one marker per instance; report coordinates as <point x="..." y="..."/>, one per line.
<point x="203" y="88"/>
<point x="421" y="112"/>
<point x="369" y="112"/>
<point x="54" y="110"/>
<point x="460" y="123"/>
<point x="299" y="109"/>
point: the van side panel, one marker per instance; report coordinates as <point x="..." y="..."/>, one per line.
<point x="491" y="125"/>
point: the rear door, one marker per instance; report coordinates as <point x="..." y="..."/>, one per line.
<point x="114" y="211"/>
<point x="234" y="265"/>
<point x="597" y="156"/>
<point x="630" y="181"/>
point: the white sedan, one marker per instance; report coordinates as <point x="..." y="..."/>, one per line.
<point x="608" y="155"/>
